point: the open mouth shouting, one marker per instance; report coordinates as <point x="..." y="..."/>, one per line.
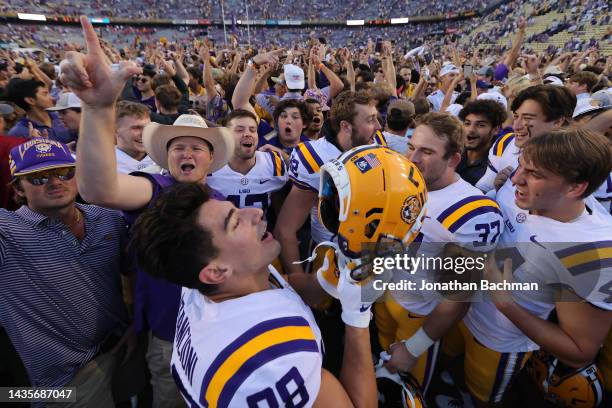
<point x="262" y="233"/>
<point x="187" y="168"/>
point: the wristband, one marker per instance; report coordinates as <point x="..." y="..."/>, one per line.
<point x="418" y="343"/>
<point x="321" y="65"/>
<point x="253" y="64"/>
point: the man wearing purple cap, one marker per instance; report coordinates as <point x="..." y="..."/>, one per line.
<point x="188" y="150"/>
<point x="61" y="302"/>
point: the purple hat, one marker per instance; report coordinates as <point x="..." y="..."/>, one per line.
<point x="38" y="155"/>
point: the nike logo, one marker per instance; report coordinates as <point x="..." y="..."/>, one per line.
<point x="264" y="181"/>
<point x="364" y="308"/>
<point x="532" y="239"/>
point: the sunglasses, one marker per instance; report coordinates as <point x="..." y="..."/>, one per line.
<point x="142" y="79"/>
<point x="41" y="178"/>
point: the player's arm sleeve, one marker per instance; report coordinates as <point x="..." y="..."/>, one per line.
<point x="279" y="170"/>
<point x="487" y="181"/>
<point x="586" y="270"/>
<point x="304" y="166"/>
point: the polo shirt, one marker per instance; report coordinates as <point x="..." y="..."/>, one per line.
<point x="61" y="297"/>
<point x="474" y="171"/>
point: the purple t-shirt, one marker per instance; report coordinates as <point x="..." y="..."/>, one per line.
<point x="156" y="301"/>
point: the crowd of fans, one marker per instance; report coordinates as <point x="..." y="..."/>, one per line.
<point x="258" y="9"/>
<point x="109" y="135"/>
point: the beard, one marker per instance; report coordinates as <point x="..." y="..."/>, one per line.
<point x="358" y="139"/>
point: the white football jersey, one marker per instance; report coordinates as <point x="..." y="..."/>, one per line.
<point x="502" y="154"/>
<point x="458" y="213"/>
<point x="254" y="188"/>
<point x="259" y="350"/>
<point x="574" y="256"/>
<point x="604" y="194"/>
<point x="304" y="166"/>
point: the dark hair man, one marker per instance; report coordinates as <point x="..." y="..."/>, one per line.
<point x="482" y="120"/>
<point x="537" y="110"/>
<point x="188" y="149"/>
<point x="34" y="98"/>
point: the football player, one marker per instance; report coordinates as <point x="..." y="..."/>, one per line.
<point x="244" y="337"/>
<point x="558" y="241"/>
<point x="250" y="177"/>
<point x="457" y="212"/>
<point x="537" y="109"/>
<point x="353" y="118"/>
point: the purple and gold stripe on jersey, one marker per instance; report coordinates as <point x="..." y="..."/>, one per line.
<point x="301" y="185"/>
<point x="462" y="211"/>
<point x="502" y="143"/>
<point x="379" y="138"/>
<point x="309" y="157"/>
<point x="587" y="257"/>
<point x="277" y="162"/>
<point x="256" y="347"/>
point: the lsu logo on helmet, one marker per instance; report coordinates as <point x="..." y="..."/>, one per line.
<point x="371" y="195"/>
<point x="564" y="386"/>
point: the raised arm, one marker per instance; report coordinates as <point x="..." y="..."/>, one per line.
<point x="388" y="66"/>
<point x="91" y="79"/>
<point x="510" y="58"/>
<point x="244" y="87"/>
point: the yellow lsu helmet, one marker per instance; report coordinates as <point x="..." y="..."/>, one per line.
<point x="564" y="386"/>
<point x="398" y="390"/>
<point x="371" y="195"/>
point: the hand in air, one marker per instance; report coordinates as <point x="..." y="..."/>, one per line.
<point x="90" y="76"/>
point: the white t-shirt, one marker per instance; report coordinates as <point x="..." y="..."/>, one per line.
<point x="127" y="164"/>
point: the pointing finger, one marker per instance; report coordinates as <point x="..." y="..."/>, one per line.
<point x="91" y="38"/>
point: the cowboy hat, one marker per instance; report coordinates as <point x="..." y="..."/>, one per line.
<point x="156" y="138"/>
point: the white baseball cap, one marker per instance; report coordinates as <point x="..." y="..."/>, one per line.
<point x="494" y="96"/>
<point x="449" y="69"/>
<point x="294" y="77"/>
<point x="66" y="100"/>
<point x="588" y="105"/>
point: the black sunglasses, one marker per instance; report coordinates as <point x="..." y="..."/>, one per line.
<point x="42" y="177"/>
<point x="142" y="79"/>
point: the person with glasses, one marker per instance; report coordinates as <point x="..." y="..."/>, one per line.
<point x="61" y="301"/>
<point x="140" y="88"/>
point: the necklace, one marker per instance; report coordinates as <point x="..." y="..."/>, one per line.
<point x="78" y="218"/>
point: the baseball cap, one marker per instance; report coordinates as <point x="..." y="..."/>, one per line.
<point x="66" y="100"/>
<point x="294" y="76"/>
<point x="37" y="155"/>
<point x="401" y="109"/>
<point x="588" y="105"/>
<point x="156" y="138"/>
<point x="449" y="69"/>
<point x="6" y="109"/>
<point x="485" y="71"/>
<point x="483" y="84"/>
<point x="603" y="97"/>
<point x="552" y="80"/>
<point x="318" y="95"/>
<point x="494" y="96"/>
